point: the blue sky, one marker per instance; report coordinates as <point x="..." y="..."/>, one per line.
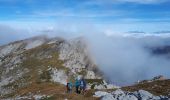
<point x="80" y="15"/>
<point x="96" y="10"/>
<point x="24" y="18"/>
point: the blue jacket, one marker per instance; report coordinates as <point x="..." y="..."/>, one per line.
<point x="70" y="85"/>
<point x="77" y="83"/>
<point x="83" y="83"/>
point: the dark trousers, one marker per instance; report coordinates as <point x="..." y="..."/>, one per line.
<point x="69" y="90"/>
<point x="77" y="90"/>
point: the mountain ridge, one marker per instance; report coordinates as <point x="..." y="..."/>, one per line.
<point x="40" y="60"/>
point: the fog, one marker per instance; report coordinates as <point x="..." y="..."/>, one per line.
<point x="124" y="59"/>
<point x="9" y="34"/>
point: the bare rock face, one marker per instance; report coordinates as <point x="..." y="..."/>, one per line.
<point x="76" y="57"/>
<point x="73" y="54"/>
<point x="59" y="76"/>
<point x="91" y="75"/>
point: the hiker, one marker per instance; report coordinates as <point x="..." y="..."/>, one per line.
<point x="69" y="87"/>
<point x="77" y="85"/>
<point x="82" y="85"/>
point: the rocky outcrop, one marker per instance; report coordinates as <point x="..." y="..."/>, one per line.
<point x="156" y="78"/>
<point x="160" y="77"/>
<point x="123" y="95"/>
<point x="76" y="57"/>
<point x="58" y="76"/>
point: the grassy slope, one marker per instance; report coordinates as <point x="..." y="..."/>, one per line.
<point x="34" y="60"/>
<point x="160" y="87"/>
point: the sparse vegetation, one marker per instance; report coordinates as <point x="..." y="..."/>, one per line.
<point x="54" y="92"/>
<point x="49" y="98"/>
<point x="94" y="82"/>
<point x="160" y="87"/>
<point x="83" y="72"/>
<point x="45" y="76"/>
<point x="8" y="95"/>
<point x="98" y="81"/>
<point x="36" y="60"/>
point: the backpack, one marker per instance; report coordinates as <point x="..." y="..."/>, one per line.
<point x="77" y="83"/>
<point x="69" y="85"/>
<point x="81" y="83"/>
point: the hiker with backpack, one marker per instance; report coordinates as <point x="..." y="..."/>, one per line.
<point x="77" y="85"/>
<point x="69" y="87"/>
<point x="82" y="85"/>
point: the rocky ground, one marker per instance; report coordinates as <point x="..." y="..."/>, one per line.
<point x="124" y="95"/>
<point x="157" y="88"/>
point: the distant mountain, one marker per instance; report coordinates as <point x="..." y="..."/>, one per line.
<point x="162" y="50"/>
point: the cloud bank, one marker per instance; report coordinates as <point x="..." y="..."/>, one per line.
<point x="127" y="59"/>
<point x="124" y="58"/>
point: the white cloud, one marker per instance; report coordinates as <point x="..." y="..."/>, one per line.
<point x="9" y="34"/>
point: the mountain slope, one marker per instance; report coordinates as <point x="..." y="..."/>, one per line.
<point x="158" y="87"/>
<point x="38" y="65"/>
